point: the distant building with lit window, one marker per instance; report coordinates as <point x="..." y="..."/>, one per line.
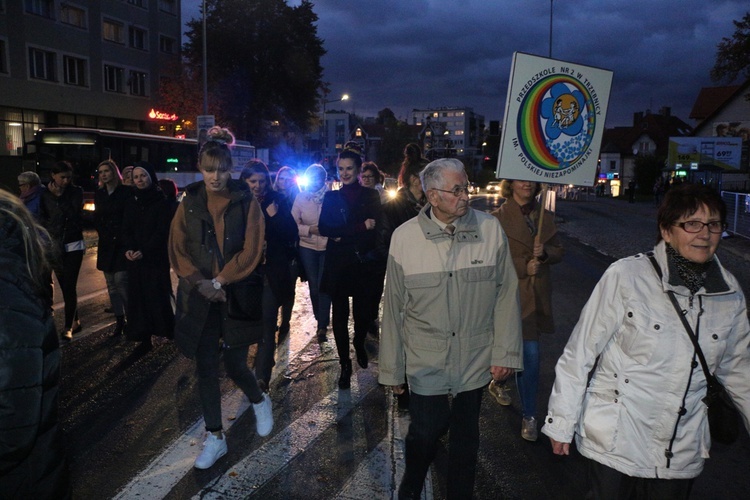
<point x="450" y="131"/>
<point x="83" y="63"/>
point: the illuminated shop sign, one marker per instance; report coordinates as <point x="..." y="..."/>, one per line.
<point x="162" y="115"/>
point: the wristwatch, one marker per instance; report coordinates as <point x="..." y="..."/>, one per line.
<point x="216" y="284"/>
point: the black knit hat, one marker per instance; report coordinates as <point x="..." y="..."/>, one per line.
<point x="150" y="170"/>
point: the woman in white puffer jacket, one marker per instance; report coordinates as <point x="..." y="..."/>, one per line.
<point x="641" y="418"/>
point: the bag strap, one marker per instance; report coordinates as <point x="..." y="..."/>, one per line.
<point x="215" y="246"/>
<point x="688" y="329"/>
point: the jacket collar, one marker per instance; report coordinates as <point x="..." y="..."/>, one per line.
<point x="467" y="227"/>
<point x="197" y="198"/>
<point x="715" y="283"/>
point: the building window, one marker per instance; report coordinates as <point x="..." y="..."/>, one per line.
<point x="75" y="71"/>
<point x="3" y="56"/>
<point x="167" y="45"/>
<point x="137" y="83"/>
<point x="113" y="31"/>
<point x="458" y="132"/>
<point x="169" y="6"/>
<point x="74" y="16"/>
<point x="42" y="65"/>
<point x="613" y="164"/>
<point x="137" y="3"/>
<point x="44" y="8"/>
<point x="137" y="37"/>
<point x="113" y="78"/>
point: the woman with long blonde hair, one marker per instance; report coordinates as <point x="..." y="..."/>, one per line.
<point x="32" y="460"/>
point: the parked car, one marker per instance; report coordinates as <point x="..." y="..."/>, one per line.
<point x="493" y="187"/>
<point x="473" y="188"/>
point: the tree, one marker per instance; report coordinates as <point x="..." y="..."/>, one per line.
<point x="264" y="70"/>
<point x="396" y="135"/>
<point x="733" y="54"/>
<point x="181" y="92"/>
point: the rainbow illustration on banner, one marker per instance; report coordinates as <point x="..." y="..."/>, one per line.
<point x="556" y="122"/>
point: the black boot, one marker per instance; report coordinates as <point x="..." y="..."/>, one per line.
<point x="345" y="380"/>
<point x="359" y="348"/>
<point x="120" y="325"/>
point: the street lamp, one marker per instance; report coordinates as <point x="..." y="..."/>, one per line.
<point x="344" y="97"/>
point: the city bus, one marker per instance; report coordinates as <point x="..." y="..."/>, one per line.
<point x="84" y="148"/>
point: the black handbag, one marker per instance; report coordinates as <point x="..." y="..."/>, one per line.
<point x="245" y="298"/>
<point x="723" y="418"/>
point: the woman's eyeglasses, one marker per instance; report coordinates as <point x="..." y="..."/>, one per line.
<point x="696" y="226"/>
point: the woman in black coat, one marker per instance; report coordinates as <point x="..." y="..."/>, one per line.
<point x="281" y="239"/>
<point x="110" y="200"/>
<point x="146" y="233"/>
<point x="351" y="268"/>
<point x="32" y="459"/>
<point x="409" y="199"/>
<point x="60" y="213"/>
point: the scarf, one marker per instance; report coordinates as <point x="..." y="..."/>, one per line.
<point x="31" y="193"/>
<point x="317" y="196"/>
<point x="692" y="274"/>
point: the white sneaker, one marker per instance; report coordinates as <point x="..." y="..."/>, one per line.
<point x="263" y="416"/>
<point x="213" y="449"/>
<point x="501" y="392"/>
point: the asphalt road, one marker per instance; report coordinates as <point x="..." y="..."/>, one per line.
<point x="133" y="421"/>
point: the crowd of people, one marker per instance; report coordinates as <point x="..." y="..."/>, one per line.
<point x="466" y="300"/>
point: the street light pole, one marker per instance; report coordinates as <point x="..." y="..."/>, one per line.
<point x="205" y="64"/>
<point x="344" y="97"/>
<point x="550" y="28"/>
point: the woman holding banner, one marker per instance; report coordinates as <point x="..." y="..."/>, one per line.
<point x="534" y="247"/>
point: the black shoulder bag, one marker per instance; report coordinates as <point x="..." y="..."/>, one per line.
<point x="244" y="297"/>
<point x="723" y="418"/>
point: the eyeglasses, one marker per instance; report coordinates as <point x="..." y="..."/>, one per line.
<point x="456" y="191"/>
<point x="367" y="176"/>
<point x="696" y="226"/>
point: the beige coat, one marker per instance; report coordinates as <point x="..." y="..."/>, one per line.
<point x="536" y="293"/>
<point x="451" y="306"/>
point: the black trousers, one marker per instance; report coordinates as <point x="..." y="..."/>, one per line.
<point x="362" y="313"/>
<point x="431" y="418"/>
<point x="606" y="483"/>
<point x="66" y="269"/>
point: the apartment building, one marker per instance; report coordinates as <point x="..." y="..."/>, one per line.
<point x="83" y="63"/>
<point x="450" y="131"/>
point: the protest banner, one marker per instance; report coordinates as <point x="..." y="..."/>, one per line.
<point x="554" y="121"/>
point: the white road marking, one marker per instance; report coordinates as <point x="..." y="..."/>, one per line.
<point x="380" y="475"/>
<point x="158" y="479"/>
<point x="166" y="470"/>
<point x="161" y="475"/>
<point x="255" y="470"/>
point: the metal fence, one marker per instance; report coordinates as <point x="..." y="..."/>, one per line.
<point x="738" y="213"/>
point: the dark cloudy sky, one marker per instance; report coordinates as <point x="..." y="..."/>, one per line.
<point x="406" y="54"/>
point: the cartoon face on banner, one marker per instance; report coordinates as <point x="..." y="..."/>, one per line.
<point x="554" y="120"/>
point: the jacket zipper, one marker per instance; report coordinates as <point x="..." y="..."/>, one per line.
<point x="668" y="452"/>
